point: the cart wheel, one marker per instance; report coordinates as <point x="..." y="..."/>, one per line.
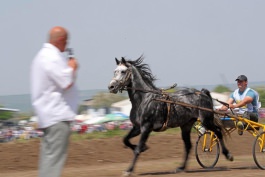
<point x="259" y="151"/>
<point x="207" y="150"/>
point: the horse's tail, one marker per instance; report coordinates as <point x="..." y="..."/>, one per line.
<point x="206" y="92"/>
<point x="206" y="102"/>
<point x="217" y="123"/>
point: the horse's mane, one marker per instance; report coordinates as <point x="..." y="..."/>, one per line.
<point x="144" y="70"/>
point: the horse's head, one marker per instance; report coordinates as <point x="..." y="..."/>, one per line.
<point x="122" y="76"/>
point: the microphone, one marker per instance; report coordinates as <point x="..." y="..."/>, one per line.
<point x="70" y="53"/>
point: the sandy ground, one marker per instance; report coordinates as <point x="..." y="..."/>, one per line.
<point x="108" y="157"/>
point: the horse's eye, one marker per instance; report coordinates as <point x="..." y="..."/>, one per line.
<point x="123" y="72"/>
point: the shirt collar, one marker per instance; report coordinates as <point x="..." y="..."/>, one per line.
<point x="240" y="93"/>
<point x="50" y="46"/>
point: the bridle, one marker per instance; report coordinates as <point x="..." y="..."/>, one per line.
<point x="124" y="80"/>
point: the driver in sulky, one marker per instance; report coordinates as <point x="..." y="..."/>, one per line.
<point x="246" y="100"/>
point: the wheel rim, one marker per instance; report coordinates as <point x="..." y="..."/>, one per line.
<point x="207" y="150"/>
<point x="259" y="151"/>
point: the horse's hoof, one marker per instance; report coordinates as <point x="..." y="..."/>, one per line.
<point x="180" y="169"/>
<point x="229" y="157"/>
<point x="145" y="148"/>
<point x="126" y="173"/>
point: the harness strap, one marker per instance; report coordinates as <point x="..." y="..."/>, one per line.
<point x="198" y="107"/>
<point x="164" y="127"/>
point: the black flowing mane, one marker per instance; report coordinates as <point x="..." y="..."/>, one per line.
<point x="144" y="71"/>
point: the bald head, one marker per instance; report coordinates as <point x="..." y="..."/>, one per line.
<point x="58" y="37"/>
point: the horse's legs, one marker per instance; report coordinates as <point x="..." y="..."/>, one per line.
<point x="225" y="151"/>
<point x="146" y="130"/>
<point x="185" y="133"/>
<point x="135" y="131"/>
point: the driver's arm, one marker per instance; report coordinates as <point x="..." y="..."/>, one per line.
<point x="224" y="108"/>
<point x="245" y="101"/>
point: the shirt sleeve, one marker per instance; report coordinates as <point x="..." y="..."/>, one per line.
<point x="251" y="94"/>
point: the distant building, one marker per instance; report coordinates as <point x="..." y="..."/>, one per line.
<point x="86" y="107"/>
<point x="219" y="96"/>
<point x="123" y="106"/>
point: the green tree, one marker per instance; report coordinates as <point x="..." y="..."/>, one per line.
<point x="5" y="115"/>
<point x="261" y="91"/>
<point x="221" y="89"/>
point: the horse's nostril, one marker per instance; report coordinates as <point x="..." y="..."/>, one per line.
<point x="111" y="87"/>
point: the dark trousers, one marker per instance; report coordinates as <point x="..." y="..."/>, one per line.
<point x="251" y="116"/>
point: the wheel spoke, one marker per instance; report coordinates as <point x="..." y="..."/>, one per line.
<point x="259" y="151"/>
<point x="207" y="150"/>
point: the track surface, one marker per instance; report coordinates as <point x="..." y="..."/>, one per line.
<point x="108" y="157"/>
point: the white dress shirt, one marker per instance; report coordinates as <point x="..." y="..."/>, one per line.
<point x="52" y="100"/>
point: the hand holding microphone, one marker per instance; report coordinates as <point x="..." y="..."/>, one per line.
<point x="70" y="53"/>
<point x="72" y="61"/>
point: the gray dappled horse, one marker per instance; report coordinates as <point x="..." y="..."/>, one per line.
<point x="148" y="115"/>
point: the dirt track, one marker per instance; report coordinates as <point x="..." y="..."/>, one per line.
<point x="108" y="157"/>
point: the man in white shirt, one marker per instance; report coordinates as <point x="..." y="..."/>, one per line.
<point x="54" y="99"/>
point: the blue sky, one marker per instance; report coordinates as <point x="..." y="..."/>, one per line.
<point x="188" y="42"/>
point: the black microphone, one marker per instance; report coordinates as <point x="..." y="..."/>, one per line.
<point x="70" y="53"/>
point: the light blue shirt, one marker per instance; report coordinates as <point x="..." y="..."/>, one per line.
<point x="238" y="96"/>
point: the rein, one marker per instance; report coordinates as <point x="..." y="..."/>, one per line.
<point x="196" y="107"/>
<point x="160" y="92"/>
<point x="224" y="103"/>
<point x="169" y="102"/>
